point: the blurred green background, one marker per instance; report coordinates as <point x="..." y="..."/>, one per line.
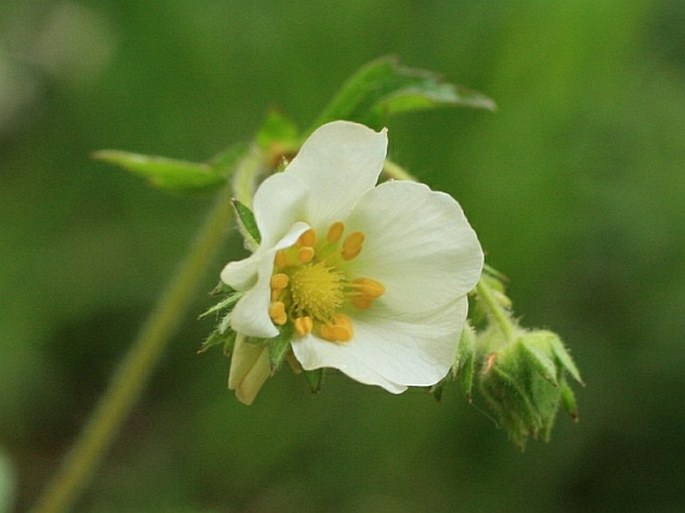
<point x="575" y="187"/>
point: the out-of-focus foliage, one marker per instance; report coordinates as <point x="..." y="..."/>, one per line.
<point x="575" y="187"/>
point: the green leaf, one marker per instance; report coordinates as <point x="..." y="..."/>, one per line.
<point x="383" y="88"/>
<point x="314" y="379"/>
<point x="247" y="220"/>
<point x="165" y="173"/>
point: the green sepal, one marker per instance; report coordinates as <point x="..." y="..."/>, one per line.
<point x="464" y="364"/>
<point x="277" y="129"/>
<point x="225" y="304"/>
<point x="248" y="224"/>
<point x="383" y="88"/>
<point x="524" y="382"/>
<point x="438" y="390"/>
<point x="314" y="379"/>
<point x="564" y="358"/>
<point x="165" y="173"/>
<point x="216" y="337"/>
<point x="568" y="400"/>
<point x="279" y="346"/>
<point x="524" y="401"/>
<point x="221" y="288"/>
<point x="532" y="353"/>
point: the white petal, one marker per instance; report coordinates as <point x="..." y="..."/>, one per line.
<point x="314" y="353"/>
<point x="277" y="204"/>
<point x="385" y="350"/>
<point x="249" y="369"/>
<point x="251" y="314"/>
<point x="340" y="161"/>
<point x="418" y="244"/>
<point x="241" y="275"/>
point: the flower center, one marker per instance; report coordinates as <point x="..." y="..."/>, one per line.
<point x="310" y="288"/>
<point x="317" y="289"/>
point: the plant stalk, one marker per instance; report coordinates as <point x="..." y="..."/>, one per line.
<point x="137" y="366"/>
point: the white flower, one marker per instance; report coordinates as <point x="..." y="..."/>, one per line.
<point x="373" y="278"/>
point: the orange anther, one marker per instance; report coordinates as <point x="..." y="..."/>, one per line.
<point x="305" y="254"/>
<point x="279" y="281"/>
<point x="303" y="325"/>
<point x="352" y="245"/>
<point x="361" y="303"/>
<point x="370" y="289"/>
<point x="335" y="232"/>
<point x="281" y="258"/>
<point x="308" y="238"/>
<point x="277" y="313"/>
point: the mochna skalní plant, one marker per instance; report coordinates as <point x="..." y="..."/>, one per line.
<point x="350" y="265"/>
<point x="355" y="266"/>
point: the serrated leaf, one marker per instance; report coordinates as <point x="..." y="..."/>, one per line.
<point x="247" y="221"/>
<point x="383" y="88"/>
<point x="165" y="173"/>
<point x="314" y="379"/>
<point x="279" y="346"/>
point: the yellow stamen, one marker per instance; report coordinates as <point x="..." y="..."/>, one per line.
<point x="335" y="232"/>
<point x="352" y="245"/>
<point x="308" y="238"/>
<point x="303" y="325"/>
<point x="310" y="285"/>
<point x="305" y="254"/>
<point x="281" y="258"/>
<point x="279" y="281"/>
<point x="317" y="291"/>
<point x="277" y="313"/>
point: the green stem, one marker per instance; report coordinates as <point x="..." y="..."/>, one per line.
<point x="138" y="364"/>
<point x="495" y="311"/>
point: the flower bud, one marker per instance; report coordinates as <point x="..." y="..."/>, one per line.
<point x="524" y="383"/>
<point x="250" y="368"/>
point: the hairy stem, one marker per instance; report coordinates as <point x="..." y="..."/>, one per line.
<point x="137" y="366"/>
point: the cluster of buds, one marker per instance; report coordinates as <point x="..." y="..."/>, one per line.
<point x="521" y="373"/>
